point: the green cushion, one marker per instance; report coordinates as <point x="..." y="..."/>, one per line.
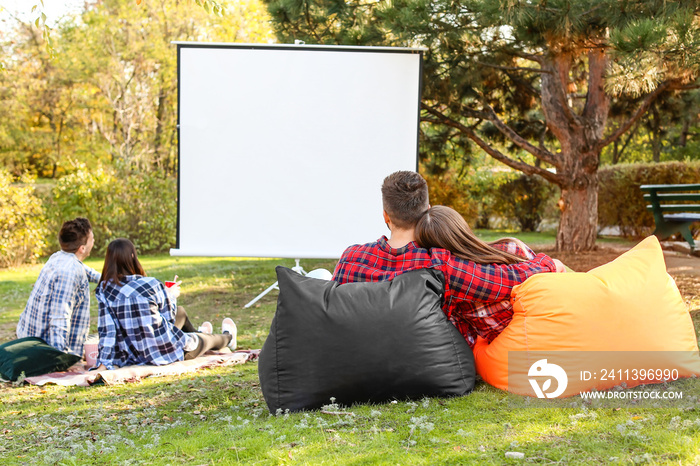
<point x="33" y="356"/>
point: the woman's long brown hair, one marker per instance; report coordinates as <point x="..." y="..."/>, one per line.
<point x="443" y="227"/>
<point x="120" y="261"/>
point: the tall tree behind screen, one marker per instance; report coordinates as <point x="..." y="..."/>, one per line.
<point x="539" y="74"/>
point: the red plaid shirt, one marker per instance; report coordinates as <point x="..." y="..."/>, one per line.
<point x="468" y="285"/>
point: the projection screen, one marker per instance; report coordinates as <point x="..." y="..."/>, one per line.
<point x="283" y="149"/>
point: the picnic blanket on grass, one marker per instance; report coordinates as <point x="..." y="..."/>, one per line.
<point x="78" y="375"/>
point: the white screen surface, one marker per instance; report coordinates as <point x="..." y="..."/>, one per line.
<point x="283" y="150"/>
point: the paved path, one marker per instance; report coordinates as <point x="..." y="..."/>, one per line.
<point x="677" y="262"/>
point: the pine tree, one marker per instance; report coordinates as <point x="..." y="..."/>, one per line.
<point x="538" y="74"/>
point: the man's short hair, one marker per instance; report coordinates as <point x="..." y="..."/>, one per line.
<point x="405" y="198"/>
<point x="74" y="233"/>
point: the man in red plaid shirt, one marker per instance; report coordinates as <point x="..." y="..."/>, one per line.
<point x="468" y="285"/>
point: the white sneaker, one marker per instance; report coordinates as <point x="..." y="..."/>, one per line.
<point x="229" y="326"/>
<point x="206" y="327"/>
<point x="192" y="342"/>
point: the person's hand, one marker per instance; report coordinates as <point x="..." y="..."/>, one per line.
<point x="561" y="268"/>
<point x="520" y="244"/>
<point x="100" y="368"/>
<point x="174" y="291"/>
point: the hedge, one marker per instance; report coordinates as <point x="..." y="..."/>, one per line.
<point x="22" y="221"/>
<point x="620" y="201"/>
<point x="119" y="204"/>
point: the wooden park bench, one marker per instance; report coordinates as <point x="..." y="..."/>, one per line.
<point x="675" y="207"/>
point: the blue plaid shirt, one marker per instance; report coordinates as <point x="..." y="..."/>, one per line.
<point x="136" y="324"/>
<point x="58" y="309"/>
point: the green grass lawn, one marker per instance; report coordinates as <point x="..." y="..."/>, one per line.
<point x="218" y="416"/>
<point x="546" y="239"/>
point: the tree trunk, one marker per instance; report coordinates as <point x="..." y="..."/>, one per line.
<point x="655" y="133"/>
<point x="578" y="226"/>
<point x="683" y="138"/>
<point x="578" y="135"/>
<point x="619" y="152"/>
<point x="58" y="149"/>
<point x="159" y="159"/>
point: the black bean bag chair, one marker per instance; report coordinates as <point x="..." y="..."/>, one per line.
<point x="362" y="342"/>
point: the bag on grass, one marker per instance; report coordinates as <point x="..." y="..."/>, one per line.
<point x="32" y="356"/>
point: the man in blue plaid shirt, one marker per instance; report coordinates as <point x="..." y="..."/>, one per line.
<point x="58" y="309"/>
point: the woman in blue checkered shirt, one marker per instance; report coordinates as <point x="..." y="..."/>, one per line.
<point x="139" y="321"/>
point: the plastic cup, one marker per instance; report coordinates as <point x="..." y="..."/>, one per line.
<point x="92" y="349"/>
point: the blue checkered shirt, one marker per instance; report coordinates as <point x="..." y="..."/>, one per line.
<point x="58" y="309"/>
<point x="136" y="324"/>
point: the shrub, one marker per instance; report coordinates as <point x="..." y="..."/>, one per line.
<point x="150" y="206"/>
<point x="138" y="206"/>
<point x="447" y="189"/>
<point x="481" y="186"/>
<point x="92" y="194"/>
<point x="22" y="221"/>
<point x="621" y="203"/>
<point x="515" y="199"/>
<point x="525" y="199"/>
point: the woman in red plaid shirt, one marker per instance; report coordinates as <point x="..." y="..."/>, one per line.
<point x="443" y="227"/>
<point x="468" y="285"/>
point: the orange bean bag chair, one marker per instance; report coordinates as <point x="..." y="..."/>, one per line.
<point x="622" y="323"/>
